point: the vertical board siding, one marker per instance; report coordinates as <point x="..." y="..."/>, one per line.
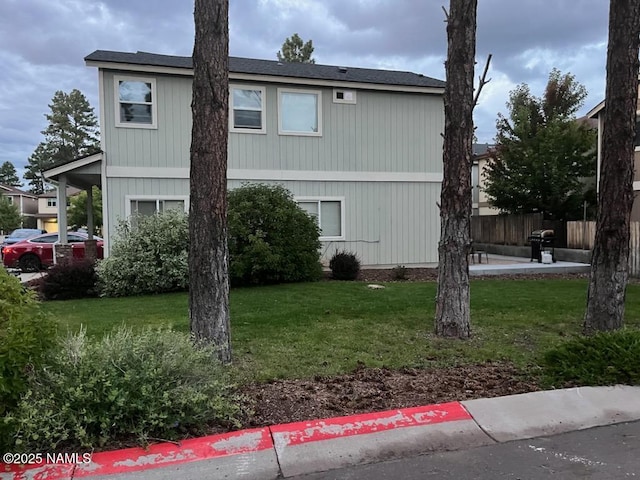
<point x="386" y="223"/>
<point x="383" y="131"/>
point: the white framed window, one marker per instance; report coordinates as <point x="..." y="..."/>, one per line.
<point x="148" y="205"/>
<point x="52" y="202"/>
<point x="247" y="109"/>
<point x="329" y="213"/>
<point x="135" y="102"/>
<point x="299" y="112"/>
<point x="344" y="96"/>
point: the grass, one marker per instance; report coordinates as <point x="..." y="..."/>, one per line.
<point x="302" y="330"/>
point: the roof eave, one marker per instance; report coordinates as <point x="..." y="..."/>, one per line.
<point x="188" y="72"/>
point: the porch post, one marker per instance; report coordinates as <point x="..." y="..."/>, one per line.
<point x="62" y="250"/>
<point x="90" y="212"/>
<point x="62" y="209"/>
<point x="90" y="245"/>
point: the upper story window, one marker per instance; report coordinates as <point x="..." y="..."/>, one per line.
<point x="300" y="112"/>
<point x="135" y="102"/>
<point x="247" y="109"/>
<point x="52" y="202"/>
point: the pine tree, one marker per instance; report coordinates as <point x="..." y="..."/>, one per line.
<point x="208" y="248"/>
<point x="72" y="132"/>
<point x="453" y="296"/>
<point x="610" y="256"/>
<point x="9" y="215"/>
<point x="295" y="50"/>
<point x="8" y="175"/>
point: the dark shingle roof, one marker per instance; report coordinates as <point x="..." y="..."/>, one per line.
<point x="275" y="68"/>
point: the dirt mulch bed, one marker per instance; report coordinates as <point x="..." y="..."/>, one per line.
<point x="378" y="389"/>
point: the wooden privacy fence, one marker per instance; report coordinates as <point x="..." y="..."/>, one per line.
<point x="514" y="229"/>
<point x="582" y="235"/>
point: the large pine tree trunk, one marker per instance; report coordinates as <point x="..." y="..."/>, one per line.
<point x="609" y="261"/>
<point x="208" y="251"/>
<point x="452" y="301"/>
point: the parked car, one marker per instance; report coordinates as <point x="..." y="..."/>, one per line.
<point x="18" y="235"/>
<point x="35" y="253"/>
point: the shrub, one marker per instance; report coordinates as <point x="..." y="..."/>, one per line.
<point x="150" y="384"/>
<point x="148" y="255"/>
<point x="74" y="279"/>
<point x="25" y="335"/>
<point x="399" y="272"/>
<point x="603" y="359"/>
<point x="344" y="266"/>
<point x="271" y="239"/>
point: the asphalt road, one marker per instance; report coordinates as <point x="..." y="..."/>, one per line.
<point x="611" y="452"/>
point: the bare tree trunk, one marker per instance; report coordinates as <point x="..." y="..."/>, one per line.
<point x="452" y="301"/>
<point x="208" y="251"/>
<point x="610" y="257"/>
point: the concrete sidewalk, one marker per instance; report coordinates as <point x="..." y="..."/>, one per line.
<point x="314" y="446"/>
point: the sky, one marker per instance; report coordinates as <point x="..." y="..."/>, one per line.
<point x="43" y="44"/>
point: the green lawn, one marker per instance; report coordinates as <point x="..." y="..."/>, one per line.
<point x="300" y="330"/>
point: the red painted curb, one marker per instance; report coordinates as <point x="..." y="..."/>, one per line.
<point x="312" y="431"/>
<point x="241" y="442"/>
<point x="159" y="455"/>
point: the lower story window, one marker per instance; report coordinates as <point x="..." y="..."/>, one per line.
<point x="150" y="207"/>
<point x="328" y="213"/>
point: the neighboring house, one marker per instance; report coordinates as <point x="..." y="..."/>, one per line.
<point x="481" y="205"/>
<point x="597" y="113"/>
<point x="360" y="149"/>
<point x="27" y="203"/>
<point x="48" y="209"/>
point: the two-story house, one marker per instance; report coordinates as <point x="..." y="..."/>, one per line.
<point x="360" y="149"/>
<point x="47" y="205"/>
<point x="26" y="203"/>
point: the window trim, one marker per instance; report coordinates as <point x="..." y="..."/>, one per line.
<point x="263" y="116"/>
<point x="52" y="202"/>
<point x="154" y="102"/>
<point x="342" y="100"/>
<point x="318" y="93"/>
<point x="342" y="214"/>
<point x="156" y="198"/>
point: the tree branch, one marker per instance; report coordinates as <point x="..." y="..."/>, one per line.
<point x="483" y="80"/>
<point x="446" y="14"/>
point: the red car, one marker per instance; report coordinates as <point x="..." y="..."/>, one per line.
<point x="34" y="253"/>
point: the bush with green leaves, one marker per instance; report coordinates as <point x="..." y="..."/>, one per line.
<point x="149" y="254"/>
<point x="25" y="336"/>
<point x="271" y="239"/>
<point x="66" y="280"/>
<point x="344" y="265"/>
<point x="606" y="358"/>
<point x="142" y="385"/>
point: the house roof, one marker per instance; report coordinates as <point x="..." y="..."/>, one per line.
<point x="71" y="191"/>
<point x="273" y="68"/>
<point x="11" y="190"/>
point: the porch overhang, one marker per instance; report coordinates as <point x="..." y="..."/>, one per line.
<point x="82" y="173"/>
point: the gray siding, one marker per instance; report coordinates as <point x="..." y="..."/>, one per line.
<point x="384" y="131"/>
<point x="385" y="223"/>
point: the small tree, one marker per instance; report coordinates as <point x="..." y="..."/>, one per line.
<point x="77" y="211"/>
<point x="72" y="132"/>
<point x="295" y="50"/>
<point x="8" y="175"/>
<point x="9" y="215"/>
<point x="543" y="155"/>
<point x="609" y="262"/>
